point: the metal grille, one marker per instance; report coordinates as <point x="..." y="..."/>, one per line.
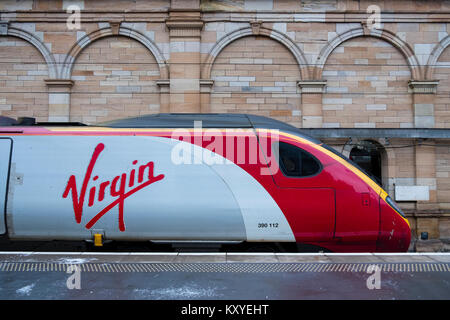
<point x="223" y="267"/>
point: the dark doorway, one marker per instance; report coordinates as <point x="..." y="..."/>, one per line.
<point x="367" y="155"/>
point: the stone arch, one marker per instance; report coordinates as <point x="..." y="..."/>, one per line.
<point x="107" y="32"/>
<point x="367" y="85"/>
<point x="38" y="44"/>
<point x="257" y="75"/>
<point x="24" y="70"/>
<point x="248" y="31"/>
<point x="107" y="87"/>
<point x="382" y="34"/>
<point x="435" y="55"/>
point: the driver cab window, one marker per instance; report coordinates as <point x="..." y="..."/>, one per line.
<point x="295" y="162"/>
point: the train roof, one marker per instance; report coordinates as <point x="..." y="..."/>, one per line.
<point x="178" y="120"/>
<point x="186" y="120"/>
<point x="208" y="120"/>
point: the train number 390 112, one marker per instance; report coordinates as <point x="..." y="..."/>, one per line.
<point x="267" y="225"/>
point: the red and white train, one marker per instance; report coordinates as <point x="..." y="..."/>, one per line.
<point x="237" y="178"/>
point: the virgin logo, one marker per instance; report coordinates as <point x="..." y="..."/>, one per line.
<point x="116" y="188"/>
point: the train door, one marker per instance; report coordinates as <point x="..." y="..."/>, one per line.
<point x="5" y="155"/>
<point x="307" y="200"/>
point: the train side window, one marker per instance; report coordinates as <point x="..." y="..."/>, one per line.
<point x="295" y="162"/>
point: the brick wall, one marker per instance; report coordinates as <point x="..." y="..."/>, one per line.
<point x="367" y="86"/>
<point x="256" y="75"/>
<point x="309" y="63"/>
<point x="114" y="78"/>
<point x="22" y="70"/>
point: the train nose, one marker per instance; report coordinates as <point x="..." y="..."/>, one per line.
<point x="395" y="232"/>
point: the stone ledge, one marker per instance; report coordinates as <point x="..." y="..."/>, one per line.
<point x="424" y="86"/>
<point x="59" y="82"/>
<point x="184" y="24"/>
<point x="59" y="85"/>
<point x="426" y="214"/>
<point x="312" y="86"/>
<point x="407" y="133"/>
<point x="163" y="85"/>
<point x="206" y="85"/>
<point x="432" y="245"/>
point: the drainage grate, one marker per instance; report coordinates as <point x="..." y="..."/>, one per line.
<point x="223" y="267"/>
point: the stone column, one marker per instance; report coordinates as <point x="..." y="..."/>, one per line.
<point x="423" y="102"/>
<point x="205" y="95"/>
<point x="425" y="152"/>
<point x="59" y="99"/>
<point x="185" y="24"/>
<point x="311" y="95"/>
<point x="164" y="95"/>
<point x="427" y="215"/>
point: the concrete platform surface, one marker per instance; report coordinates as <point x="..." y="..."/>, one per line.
<point x="216" y="276"/>
<point x="228" y="257"/>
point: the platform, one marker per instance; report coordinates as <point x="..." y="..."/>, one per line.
<point x="217" y="276"/>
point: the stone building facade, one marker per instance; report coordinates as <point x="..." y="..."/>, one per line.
<point x="336" y="68"/>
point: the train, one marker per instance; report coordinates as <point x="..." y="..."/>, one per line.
<point x="190" y="178"/>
